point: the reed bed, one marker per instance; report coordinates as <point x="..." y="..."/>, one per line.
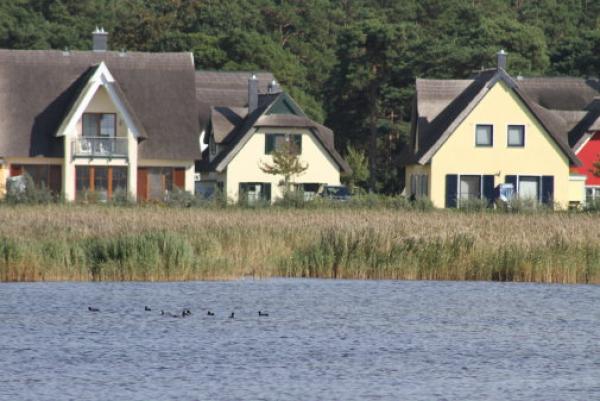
<point x="70" y="242"/>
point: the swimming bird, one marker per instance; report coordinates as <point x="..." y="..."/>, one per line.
<point x="93" y="309"/>
<point x="262" y="314"/>
<point x="186" y="312"/>
<point x="169" y="314"/>
<point x="147" y="309"/>
<point x="210" y="313"/>
<point x="232" y="315"/>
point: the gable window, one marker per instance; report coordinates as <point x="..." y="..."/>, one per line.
<point x="99" y="124"/>
<point x="516" y="135"/>
<point x="484" y="135"/>
<point x="275" y="142"/>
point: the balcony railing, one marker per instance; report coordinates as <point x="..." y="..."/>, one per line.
<point x="100" y="147"/>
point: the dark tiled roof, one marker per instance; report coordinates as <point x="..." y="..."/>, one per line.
<point x="38" y="87"/>
<point x="562" y="105"/>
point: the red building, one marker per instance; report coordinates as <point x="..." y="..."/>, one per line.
<point x="588" y="152"/>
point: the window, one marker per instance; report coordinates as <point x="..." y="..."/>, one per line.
<point x="465" y="187"/>
<point x="99" y="125"/>
<point x="275" y="142"/>
<point x="309" y="190"/>
<point x="533" y="187"/>
<point x="119" y="179"/>
<point x="470" y="187"/>
<point x="42" y="175"/>
<point x="419" y="185"/>
<point x="160" y="182"/>
<point x="484" y="135"/>
<point x="592" y="194"/>
<point x="529" y="188"/>
<point x="516" y="135"/>
<point x="252" y="192"/>
<point x="103" y="181"/>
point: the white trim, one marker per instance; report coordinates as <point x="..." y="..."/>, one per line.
<point x="101" y="78"/>
<point x="583" y="141"/>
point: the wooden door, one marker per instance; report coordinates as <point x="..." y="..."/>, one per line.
<point x="179" y="178"/>
<point x="16" y="169"/>
<point x="142" y="184"/>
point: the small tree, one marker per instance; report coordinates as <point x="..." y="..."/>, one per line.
<point x="286" y="163"/>
<point x="358" y="162"/>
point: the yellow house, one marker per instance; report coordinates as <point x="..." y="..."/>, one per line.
<point x="470" y="136"/>
<point x="242" y="132"/>
<point x="82" y="122"/>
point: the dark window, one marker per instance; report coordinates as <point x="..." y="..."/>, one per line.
<point x="484" y="135"/>
<point x="99" y="125"/>
<point x="82" y="180"/>
<point x="253" y="192"/>
<point x="160" y="182"/>
<point x="42" y="175"/>
<point x="516" y="135"/>
<point x="119" y="178"/>
<point x="274" y="142"/>
<point x="470" y="187"/>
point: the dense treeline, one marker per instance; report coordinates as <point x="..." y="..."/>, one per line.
<point x="349" y="63"/>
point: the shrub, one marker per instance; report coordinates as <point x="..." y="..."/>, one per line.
<point x="29" y="193"/>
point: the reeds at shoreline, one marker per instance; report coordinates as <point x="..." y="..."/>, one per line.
<point x="70" y="242"/>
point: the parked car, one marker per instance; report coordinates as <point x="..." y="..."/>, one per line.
<point x="336" y="192"/>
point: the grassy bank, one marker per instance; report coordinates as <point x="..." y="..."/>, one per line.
<point x="58" y="242"/>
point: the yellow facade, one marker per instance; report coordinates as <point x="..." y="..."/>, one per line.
<point x="500" y="107"/>
<point x="245" y="166"/>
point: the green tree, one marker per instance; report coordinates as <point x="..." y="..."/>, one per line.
<point x="358" y="162"/>
<point x="285" y="163"/>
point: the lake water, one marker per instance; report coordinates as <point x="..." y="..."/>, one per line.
<point x="323" y="340"/>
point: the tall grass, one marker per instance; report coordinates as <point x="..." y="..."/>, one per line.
<point x="72" y="242"/>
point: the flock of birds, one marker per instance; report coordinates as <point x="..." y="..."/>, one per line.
<point x="184" y="313"/>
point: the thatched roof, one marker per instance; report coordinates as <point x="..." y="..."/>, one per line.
<point x="562" y="105"/>
<point x="38" y="87"/>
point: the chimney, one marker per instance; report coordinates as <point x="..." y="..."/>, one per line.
<point x="252" y="93"/>
<point x="273" y="87"/>
<point x="501" y="59"/>
<point x="100" y="40"/>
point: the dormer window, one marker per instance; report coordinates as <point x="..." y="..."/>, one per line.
<point x="99" y="124"/>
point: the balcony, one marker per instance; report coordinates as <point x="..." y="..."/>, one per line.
<point x="100" y="147"/>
